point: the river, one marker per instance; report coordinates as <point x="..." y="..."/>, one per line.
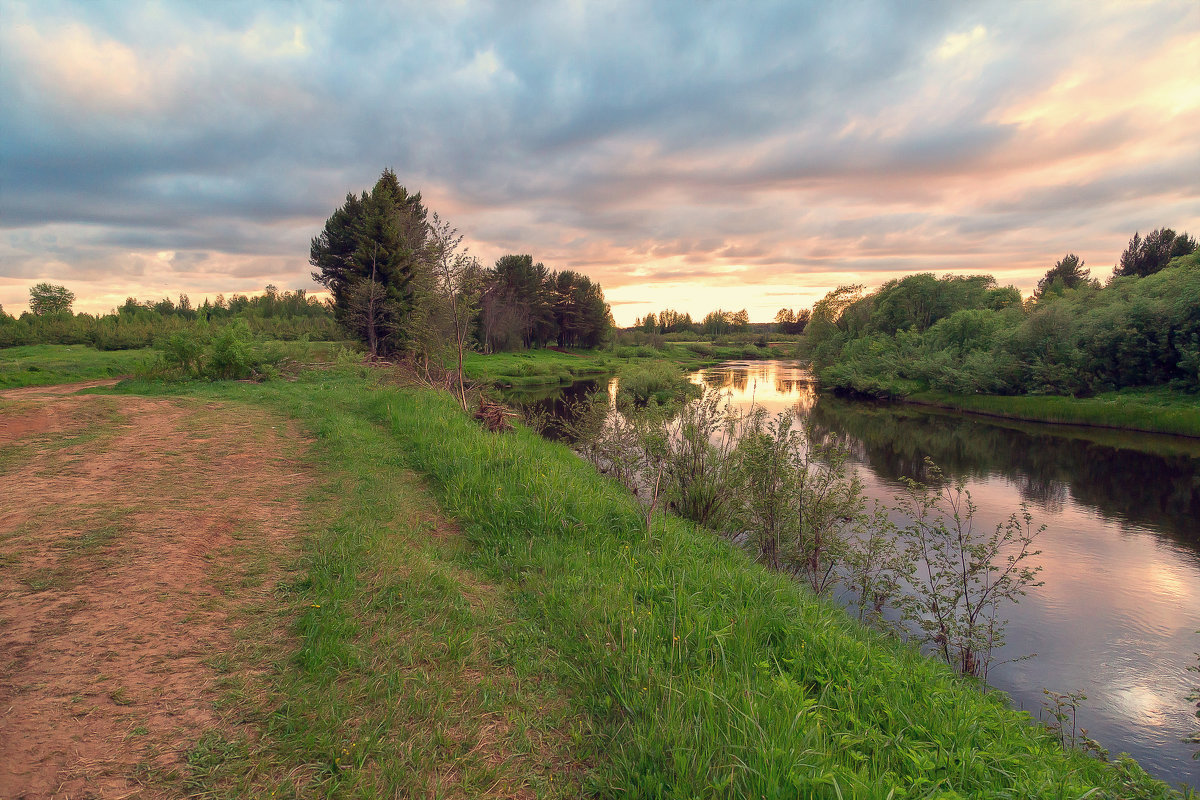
<point x="1119" y="614"/>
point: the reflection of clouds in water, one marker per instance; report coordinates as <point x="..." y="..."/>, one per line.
<point x="772" y="385"/>
<point x="1141" y="702"/>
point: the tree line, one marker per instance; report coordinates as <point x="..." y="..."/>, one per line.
<point x="719" y="322"/>
<point x="402" y="282"/>
<point x="275" y="314"/>
<point x="966" y="334"/>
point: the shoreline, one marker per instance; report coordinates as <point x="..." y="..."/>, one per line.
<point x="1075" y="412"/>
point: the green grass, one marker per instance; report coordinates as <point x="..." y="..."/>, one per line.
<point x="662" y="664"/>
<point x="1157" y="410"/>
<point x="662" y="382"/>
<point x="45" y="364"/>
<point x="536" y="367"/>
<point x="543" y="367"/>
<point x="406" y="674"/>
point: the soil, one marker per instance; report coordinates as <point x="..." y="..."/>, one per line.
<point x="132" y="530"/>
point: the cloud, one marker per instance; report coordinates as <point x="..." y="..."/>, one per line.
<point x="659" y="148"/>
<point x="956" y="44"/>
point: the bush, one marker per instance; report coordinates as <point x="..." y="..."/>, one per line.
<point x="229" y="355"/>
<point x="659" y="382"/>
<point x="183" y="350"/>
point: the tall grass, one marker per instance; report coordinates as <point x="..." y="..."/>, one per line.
<point x="704" y="673"/>
<point x="684" y="669"/>
<point x="534" y="367"/>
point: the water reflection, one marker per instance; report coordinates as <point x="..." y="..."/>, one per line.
<point x="773" y="385"/>
<point x="1115" y="478"/>
<point x="553" y="410"/>
<point x="1121" y="554"/>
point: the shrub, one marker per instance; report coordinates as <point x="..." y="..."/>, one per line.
<point x="183" y="350"/>
<point x="229" y="355"/>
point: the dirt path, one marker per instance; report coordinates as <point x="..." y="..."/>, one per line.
<point x="131" y="530"/>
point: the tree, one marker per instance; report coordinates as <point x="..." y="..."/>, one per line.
<point x="792" y="322"/>
<point x="374" y="258"/>
<point x="671" y="321"/>
<point x="47" y="299"/>
<point x="1146" y="256"/>
<point x="715" y="323"/>
<point x="581" y="316"/>
<point x="1067" y="273"/>
<point x="459" y="277"/>
<point x="1183" y="245"/>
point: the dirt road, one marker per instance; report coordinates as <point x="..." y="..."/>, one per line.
<point x="133" y="532"/>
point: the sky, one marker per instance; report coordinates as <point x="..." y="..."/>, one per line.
<point x="687" y="155"/>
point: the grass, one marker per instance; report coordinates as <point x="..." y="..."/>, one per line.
<point x="660" y="381"/>
<point x="1157" y="410"/>
<point x="536" y="367"/>
<point x="45" y="364"/>
<point x="404" y="673"/>
<point x="617" y="661"/>
<point x="544" y="367"/>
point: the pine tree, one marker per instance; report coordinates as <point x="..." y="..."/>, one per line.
<point x="373" y="256"/>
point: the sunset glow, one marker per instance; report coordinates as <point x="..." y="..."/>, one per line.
<point x="687" y="157"/>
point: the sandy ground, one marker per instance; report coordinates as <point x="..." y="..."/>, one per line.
<point x="131" y="529"/>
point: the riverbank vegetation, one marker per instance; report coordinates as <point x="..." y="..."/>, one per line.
<point x="1156" y="409"/>
<point x="650" y="660"/>
<point x="964" y="335"/>
<point x="558" y="366"/>
<point x="789" y="495"/>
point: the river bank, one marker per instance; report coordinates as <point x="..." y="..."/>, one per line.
<point x="679" y="667"/>
<point x="558" y="367"/>
<point x="1149" y="410"/>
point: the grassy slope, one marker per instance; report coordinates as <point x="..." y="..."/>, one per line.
<point x="690" y="671"/>
<point x="1154" y="410"/>
<point x="45" y="364"/>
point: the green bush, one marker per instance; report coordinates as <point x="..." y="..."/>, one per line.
<point x="659" y="382"/>
<point x="183" y="350"/>
<point x="229" y="355"/>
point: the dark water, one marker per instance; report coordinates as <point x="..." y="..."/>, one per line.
<point x="1119" y="612"/>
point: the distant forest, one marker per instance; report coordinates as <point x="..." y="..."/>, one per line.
<point x="967" y="335"/>
<point x="403" y="284"/>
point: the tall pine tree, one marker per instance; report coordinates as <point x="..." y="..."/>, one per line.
<point x="374" y="258"/>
